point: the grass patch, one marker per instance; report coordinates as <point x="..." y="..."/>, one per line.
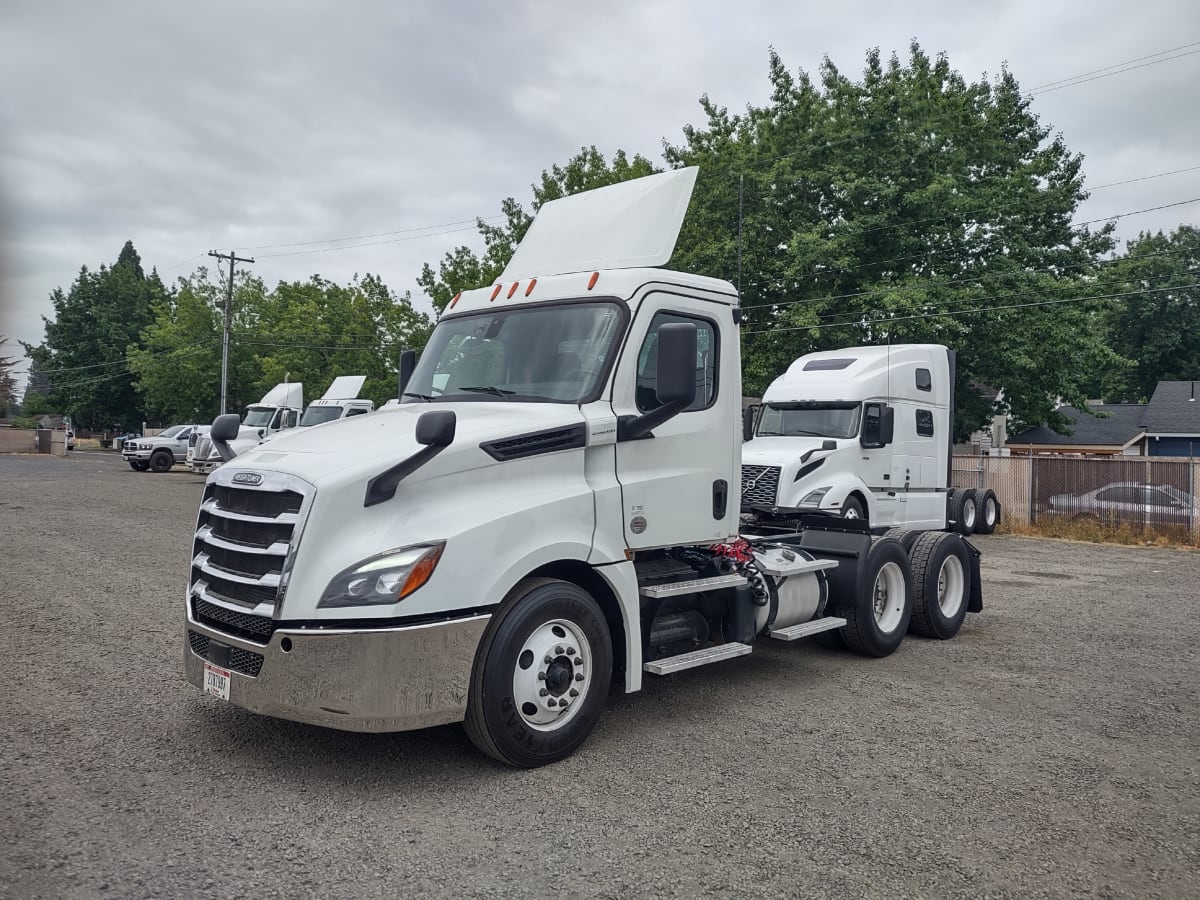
<point x="1096" y="532"/>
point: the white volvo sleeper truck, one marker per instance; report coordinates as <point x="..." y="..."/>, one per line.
<point x="811" y="449"/>
<point x="552" y="509"/>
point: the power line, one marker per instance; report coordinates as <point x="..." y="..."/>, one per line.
<point x="115" y="362"/>
<point x="1143" y="178"/>
<point x="100" y="379"/>
<point x="965" y="312"/>
<point x="1115" y="66"/>
<point x="1110" y="74"/>
<point x="413" y="237"/>
<point x="363" y="237"/>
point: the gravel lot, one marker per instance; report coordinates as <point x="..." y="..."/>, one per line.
<point x="1052" y="749"/>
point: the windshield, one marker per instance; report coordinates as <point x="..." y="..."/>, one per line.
<point x="172" y="431"/>
<point x="824" y="420"/>
<point x="315" y="415"/>
<point x="258" y="416"/>
<point x="554" y="354"/>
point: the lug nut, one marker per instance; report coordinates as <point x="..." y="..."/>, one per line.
<point x="558" y="651"/>
<point x="579" y="676"/>
<point x="549" y="659"/>
<point x="551" y="702"/>
<point x="543" y="692"/>
<point x="574" y="693"/>
<point x="563" y="702"/>
<point x="570" y="651"/>
<point x="541" y="676"/>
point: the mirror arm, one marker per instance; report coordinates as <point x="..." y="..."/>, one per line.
<point x="634" y="428"/>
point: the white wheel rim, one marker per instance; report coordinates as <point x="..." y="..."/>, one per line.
<point x="551" y="685"/>
<point x="850" y="513"/>
<point x="888" y="597"/>
<point x="951" y="585"/>
<point x="989" y="513"/>
<point x="969" y="514"/>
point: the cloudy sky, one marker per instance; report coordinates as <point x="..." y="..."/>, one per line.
<point x="188" y="127"/>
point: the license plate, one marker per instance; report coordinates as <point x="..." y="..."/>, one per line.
<point x="216" y="681"/>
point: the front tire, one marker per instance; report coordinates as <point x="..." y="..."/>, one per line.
<point x="878" y="615"/>
<point x="852" y="508"/>
<point x="541" y="675"/>
<point x="941" y="584"/>
<point x="138" y="465"/>
<point x="161" y="461"/>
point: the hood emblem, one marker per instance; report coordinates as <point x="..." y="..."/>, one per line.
<point x="247" y="478"/>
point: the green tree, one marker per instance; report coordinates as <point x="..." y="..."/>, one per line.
<point x="1157" y="329"/>
<point x="84" y="352"/>
<point x="178" y="361"/>
<point x="8" y="385"/>
<point x="908" y="206"/>
<point x="463" y="269"/>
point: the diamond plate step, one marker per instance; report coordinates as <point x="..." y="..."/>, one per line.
<point x="693" y="587"/>
<point x="696" y="658"/>
<point x="807" y="629"/>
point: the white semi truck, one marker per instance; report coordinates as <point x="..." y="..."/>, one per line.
<point x="553" y="508"/>
<point x="865" y="433"/>
<point x="276" y="414"/>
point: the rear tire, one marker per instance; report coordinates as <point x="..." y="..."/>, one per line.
<point x="508" y="717"/>
<point x="906" y="537"/>
<point x="941" y="584"/>
<point x="987" y="512"/>
<point x="161" y="461"/>
<point x="964" y="512"/>
<point x="138" y="465"/>
<point x="878" y="616"/>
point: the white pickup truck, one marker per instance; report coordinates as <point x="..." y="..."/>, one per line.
<point x="160" y="452"/>
<point x="560" y="514"/>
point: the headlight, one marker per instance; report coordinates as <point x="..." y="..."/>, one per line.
<point x="814" y="498"/>
<point x="384" y="579"/>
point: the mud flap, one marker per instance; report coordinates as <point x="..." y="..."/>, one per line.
<point x="973" y="555"/>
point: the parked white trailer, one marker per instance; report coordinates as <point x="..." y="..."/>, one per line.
<point x="560" y="513"/>
<point x="865" y="433"/>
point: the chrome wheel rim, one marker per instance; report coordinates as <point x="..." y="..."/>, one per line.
<point x="552" y="675"/>
<point x="951" y="585"/>
<point x="888" y="597"/>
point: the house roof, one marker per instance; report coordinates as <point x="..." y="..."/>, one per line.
<point x="1121" y="423"/>
<point x="1170" y="410"/>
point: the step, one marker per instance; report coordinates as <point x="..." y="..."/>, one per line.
<point x="781" y="567"/>
<point x="696" y="658"/>
<point x="807" y="629"/>
<point x="695" y="586"/>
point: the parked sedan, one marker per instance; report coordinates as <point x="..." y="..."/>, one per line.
<point x="1129" y="502"/>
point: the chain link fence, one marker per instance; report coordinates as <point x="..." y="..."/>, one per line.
<point x="1137" y="493"/>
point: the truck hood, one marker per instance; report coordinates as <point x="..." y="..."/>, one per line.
<point x="354" y="449"/>
<point x="785" y="451"/>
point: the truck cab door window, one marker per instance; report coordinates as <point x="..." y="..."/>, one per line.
<point x="706" y="363"/>
<point x="872" y="427"/>
<point x="289" y="418"/>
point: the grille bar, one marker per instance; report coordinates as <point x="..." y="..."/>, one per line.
<point x="208" y="536"/>
<point x="210" y="506"/>
<point x="760" y="484"/>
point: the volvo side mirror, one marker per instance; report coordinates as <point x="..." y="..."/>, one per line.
<point x="747" y="423"/>
<point x="408" y="362"/>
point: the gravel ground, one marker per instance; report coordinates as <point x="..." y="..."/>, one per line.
<point x="1050" y="750"/>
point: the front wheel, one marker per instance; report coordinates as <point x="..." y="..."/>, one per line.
<point x="138" y="465"/>
<point x="161" y="461"/>
<point x="541" y="675"/>
<point x="852" y="508"/>
<point x="878" y="615"/>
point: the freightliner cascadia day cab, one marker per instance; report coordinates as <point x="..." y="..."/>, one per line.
<point x="807" y="452"/>
<point x="552" y="509"/>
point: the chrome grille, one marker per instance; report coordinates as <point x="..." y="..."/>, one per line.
<point x="760" y="484"/>
<point x="240" y="553"/>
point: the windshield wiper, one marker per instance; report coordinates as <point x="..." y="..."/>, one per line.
<point x="488" y="389"/>
<point x="425" y="397"/>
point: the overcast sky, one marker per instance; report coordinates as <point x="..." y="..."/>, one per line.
<point x="189" y="127"/>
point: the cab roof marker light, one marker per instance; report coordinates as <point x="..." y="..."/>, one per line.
<point x="512" y="290"/>
<point x="592" y="281"/>
<point x="495" y="292"/>
<point x="455" y="300"/>
<point x="532" y="283"/>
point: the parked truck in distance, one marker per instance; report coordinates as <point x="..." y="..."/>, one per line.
<point x="552" y="508"/>
<point x="863" y="433"/>
<point x="277" y="411"/>
<point x="162" y="451"/>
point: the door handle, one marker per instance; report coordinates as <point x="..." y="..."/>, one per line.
<point x="720" y="495"/>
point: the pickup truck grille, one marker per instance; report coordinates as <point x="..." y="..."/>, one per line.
<point x="243" y="540"/>
<point x="760" y="484"/>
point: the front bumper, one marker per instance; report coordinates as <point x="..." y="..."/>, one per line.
<point x="140" y="455"/>
<point x="370" y="679"/>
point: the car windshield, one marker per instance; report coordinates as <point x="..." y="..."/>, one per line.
<point x="548" y="354"/>
<point x="172" y="431"/>
<point x="258" y="416"/>
<point x="315" y="415"/>
<point x="824" y="420"/>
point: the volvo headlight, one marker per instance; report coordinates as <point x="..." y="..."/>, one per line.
<point x="814" y="498"/>
<point x="384" y="579"/>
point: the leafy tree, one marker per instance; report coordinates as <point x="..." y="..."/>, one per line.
<point x="35" y="404"/>
<point x="908" y="206"/>
<point x="462" y="269"/>
<point x="84" y="352"/>
<point x="8" y="385"/>
<point x="1157" y="330"/>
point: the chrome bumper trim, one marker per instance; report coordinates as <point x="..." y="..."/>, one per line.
<point x="372" y="680"/>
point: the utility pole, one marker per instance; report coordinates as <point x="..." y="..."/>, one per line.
<point x="233" y="258"/>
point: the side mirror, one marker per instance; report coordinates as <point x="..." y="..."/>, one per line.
<point x="889" y="425"/>
<point x="225" y="429"/>
<point x="408" y="362"/>
<point x="676" y="370"/>
<point x="747" y="423"/>
<point x="436" y="428"/>
<point x="829" y="445"/>
<point x="675" y="374"/>
<point x="879" y="426"/>
<point x="262" y="432"/>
